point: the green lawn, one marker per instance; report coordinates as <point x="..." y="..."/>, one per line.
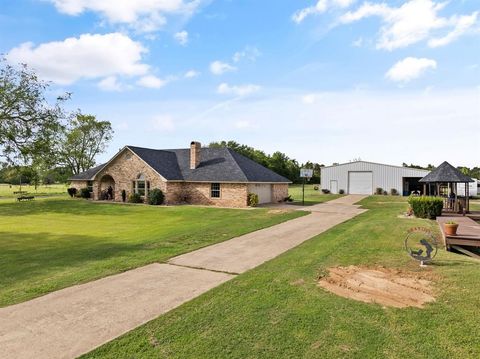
<point x="278" y="311"/>
<point x="50" y="244"/>
<point x="311" y="196"/>
<point x="7" y="190"/>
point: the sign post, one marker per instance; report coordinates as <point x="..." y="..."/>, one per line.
<point x="305" y="173"/>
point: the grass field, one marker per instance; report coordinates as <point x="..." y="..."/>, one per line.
<point x="50" y="244"/>
<point x="7" y="190"/>
<point x="278" y="311"/>
<point x="311" y="196"/>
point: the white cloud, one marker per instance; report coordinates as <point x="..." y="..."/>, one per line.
<point x="242" y="90"/>
<point x="309" y="98"/>
<point x="219" y="67"/>
<point x="181" y="37"/>
<point x="249" y="52"/>
<point x="410" y="68"/>
<point x="88" y="56"/>
<point x="163" y="123"/>
<point x="320" y="7"/>
<point x="413" y="21"/>
<point x="151" y="81"/>
<point x="142" y="15"/>
<point x="191" y="74"/>
<point x="110" y="83"/>
<point x="462" y="25"/>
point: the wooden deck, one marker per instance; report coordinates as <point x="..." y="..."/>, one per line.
<point x="468" y="234"/>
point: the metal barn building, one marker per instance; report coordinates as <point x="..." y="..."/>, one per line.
<point x="363" y="177"/>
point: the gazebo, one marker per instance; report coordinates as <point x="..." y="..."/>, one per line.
<point x="442" y="182"/>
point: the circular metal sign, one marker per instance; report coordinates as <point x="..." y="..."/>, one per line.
<point x="421" y="244"/>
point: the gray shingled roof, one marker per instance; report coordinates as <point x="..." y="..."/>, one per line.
<point x="446" y="173"/>
<point x="88" y="174"/>
<point x="216" y="165"/>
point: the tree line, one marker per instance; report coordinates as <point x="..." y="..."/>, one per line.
<point x="39" y="139"/>
<point x="473" y="172"/>
<point x="278" y="162"/>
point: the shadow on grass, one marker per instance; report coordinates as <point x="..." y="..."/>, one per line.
<point x="24" y="256"/>
<point x="62" y="206"/>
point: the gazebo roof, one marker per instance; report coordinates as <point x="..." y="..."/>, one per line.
<point x="446" y="173"/>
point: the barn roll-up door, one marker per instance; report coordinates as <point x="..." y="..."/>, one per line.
<point x="360" y="182"/>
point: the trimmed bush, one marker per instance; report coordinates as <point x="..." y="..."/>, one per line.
<point x="72" y="192"/>
<point x="394" y="192"/>
<point x="426" y="207"/>
<point x="156" y="197"/>
<point x="341" y="191"/>
<point x="252" y="199"/>
<point x="85" y="193"/>
<point x="379" y="191"/>
<point x="135" y="198"/>
<point x="385" y="193"/>
<point x="325" y="191"/>
<point x="315" y="188"/>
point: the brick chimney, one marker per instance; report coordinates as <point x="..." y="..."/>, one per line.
<point x="195" y="154"/>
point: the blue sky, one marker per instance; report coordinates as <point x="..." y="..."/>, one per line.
<point x="321" y="80"/>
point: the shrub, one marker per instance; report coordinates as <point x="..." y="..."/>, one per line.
<point x="341" y="191"/>
<point x="72" y="192"/>
<point x="394" y="192"/>
<point x="315" y="188"/>
<point x="325" y="191"/>
<point x="124" y="195"/>
<point x="288" y="199"/>
<point x="385" y="193"/>
<point x="252" y="199"/>
<point x="378" y="190"/>
<point x="155" y="197"/>
<point x="85" y="193"/>
<point x="426" y="207"/>
<point x="135" y="198"/>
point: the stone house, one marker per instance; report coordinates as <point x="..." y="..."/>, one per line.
<point x="204" y="176"/>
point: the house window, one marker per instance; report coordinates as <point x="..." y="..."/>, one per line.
<point x="90" y="186"/>
<point x="141" y="186"/>
<point x="215" y="190"/>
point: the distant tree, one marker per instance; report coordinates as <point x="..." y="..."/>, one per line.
<point x="429" y="167"/>
<point x="277" y="162"/>
<point x="83" y="139"/>
<point x="29" y="124"/>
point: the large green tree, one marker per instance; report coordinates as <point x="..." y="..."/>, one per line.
<point x="277" y="162"/>
<point x="29" y="124"/>
<point x="83" y="139"/>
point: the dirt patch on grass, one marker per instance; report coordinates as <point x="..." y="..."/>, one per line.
<point x="388" y="287"/>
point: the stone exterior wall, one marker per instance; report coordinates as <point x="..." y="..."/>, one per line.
<point x="279" y="192"/>
<point x="124" y="170"/>
<point x="231" y="194"/>
<point x="78" y="185"/>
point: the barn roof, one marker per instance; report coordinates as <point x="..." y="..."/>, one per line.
<point x="446" y="173"/>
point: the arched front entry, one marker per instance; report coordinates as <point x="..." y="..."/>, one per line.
<point x="107" y="188"/>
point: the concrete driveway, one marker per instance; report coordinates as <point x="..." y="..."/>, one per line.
<point x="76" y="320"/>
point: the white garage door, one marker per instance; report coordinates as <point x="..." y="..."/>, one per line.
<point x="360" y="183"/>
<point x="264" y="192"/>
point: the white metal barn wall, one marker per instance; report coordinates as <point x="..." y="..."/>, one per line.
<point x="384" y="176"/>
